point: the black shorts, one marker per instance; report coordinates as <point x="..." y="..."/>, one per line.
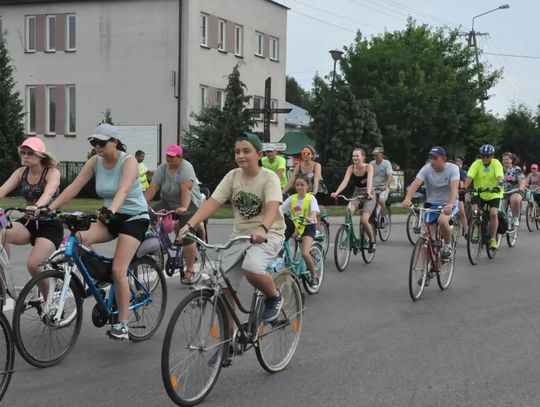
<point x="48" y="229"/>
<point x="461" y="195"/>
<point x="309" y="230"/>
<point x="121" y="225"/>
<point x="493" y="203"/>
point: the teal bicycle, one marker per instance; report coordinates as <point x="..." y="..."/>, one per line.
<point x="347" y="241"/>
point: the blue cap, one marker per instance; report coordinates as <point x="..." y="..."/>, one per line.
<point x="437" y="151"/>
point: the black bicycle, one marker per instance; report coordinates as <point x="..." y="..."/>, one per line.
<point x="7" y="346"/>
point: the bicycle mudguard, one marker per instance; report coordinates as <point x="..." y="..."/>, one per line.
<point x="148" y="246"/>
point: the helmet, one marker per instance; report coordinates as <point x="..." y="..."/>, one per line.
<point x="487" y="149"/>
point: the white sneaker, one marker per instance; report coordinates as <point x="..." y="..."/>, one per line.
<point x="516" y="222"/>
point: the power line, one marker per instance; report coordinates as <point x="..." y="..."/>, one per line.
<point x="430" y="16"/>
<point x="377" y="10"/>
<point x="513" y="55"/>
<point x="323" y="21"/>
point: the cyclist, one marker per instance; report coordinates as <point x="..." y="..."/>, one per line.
<point x="143" y="171"/>
<point x="487" y="173"/>
<point x="460" y="161"/>
<point x="513" y="179"/>
<point x="382" y="178"/>
<point x="302" y="204"/>
<point x="312" y="170"/>
<point x="362" y="175"/>
<point x="442" y="182"/>
<point x="177" y="183"/>
<point x="276" y="163"/>
<point x="123" y="216"/>
<point x="38" y="180"/>
<point x="533" y="182"/>
<point x="255" y="195"/>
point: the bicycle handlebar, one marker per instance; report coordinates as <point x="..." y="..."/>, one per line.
<point x="161" y="212"/>
<point x="355" y="198"/>
<point x="303" y="219"/>
<point x="216" y="247"/>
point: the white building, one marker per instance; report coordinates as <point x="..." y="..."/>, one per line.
<point x="75" y="59"/>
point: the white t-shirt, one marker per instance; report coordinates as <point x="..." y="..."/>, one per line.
<point x="313" y="205"/>
<point x="438" y="182"/>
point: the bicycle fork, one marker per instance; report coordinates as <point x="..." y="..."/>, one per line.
<point x="62" y="300"/>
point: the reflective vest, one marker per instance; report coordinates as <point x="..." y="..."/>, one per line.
<point x="142" y="176"/>
<point x="300" y="211"/>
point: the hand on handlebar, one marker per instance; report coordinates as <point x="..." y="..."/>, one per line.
<point x="258" y="236"/>
<point x="334" y="195"/>
<point x="407" y="203"/>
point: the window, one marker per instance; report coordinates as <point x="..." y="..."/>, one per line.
<point x="257" y="104"/>
<point x="31" y="109"/>
<point x="204" y="96"/>
<point x="204" y="30"/>
<point x="71" y="42"/>
<point x="238" y="40"/>
<point x="1" y="26"/>
<point x="273" y="105"/>
<point x="274" y="49"/>
<point x="30" y="35"/>
<point x="221" y="35"/>
<point x="71" y="118"/>
<point x="50" y="105"/>
<point x="220" y="99"/>
<point x="259" y="44"/>
<point x="51" y="34"/>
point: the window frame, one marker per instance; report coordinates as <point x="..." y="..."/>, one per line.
<point x="273" y="52"/>
<point x="258" y="117"/>
<point x="29" y="109"/>
<point x="203" y="96"/>
<point x="273" y="105"/>
<point x="204" y="30"/>
<point x="27" y="36"/>
<point x="68" y="130"/>
<point x="68" y="47"/>
<point x="48" y="123"/>
<point x="222" y="35"/>
<point x="220" y="102"/>
<point x="259" y="44"/>
<point x="239" y="40"/>
<point x="48" y="37"/>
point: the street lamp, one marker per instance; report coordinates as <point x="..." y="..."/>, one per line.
<point x="472" y="37"/>
<point x="336" y="56"/>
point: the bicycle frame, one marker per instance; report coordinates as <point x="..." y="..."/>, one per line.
<point x="427" y="236"/>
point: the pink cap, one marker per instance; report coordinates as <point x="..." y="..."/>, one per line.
<point x="534" y="167"/>
<point x="174" y="150"/>
<point x="35" y="144"/>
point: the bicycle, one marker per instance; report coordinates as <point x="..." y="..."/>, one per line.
<point x="293" y="259"/>
<point x="383" y="224"/>
<point x="7" y="346"/>
<point x="170" y="250"/>
<point x="346" y="239"/>
<point x="532" y="212"/>
<point x="512" y="231"/>
<point x="426" y="262"/>
<point x="198" y="340"/>
<point x="412" y="226"/>
<point x="479" y="231"/>
<point x="47" y="325"/>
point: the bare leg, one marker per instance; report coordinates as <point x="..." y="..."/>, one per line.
<point x="306" y="246"/>
<point x="364" y="219"/>
<point x="262" y="282"/>
<point x="444" y="228"/>
<point x="493" y="223"/>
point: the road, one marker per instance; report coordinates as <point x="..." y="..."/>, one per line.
<point x="364" y="343"/>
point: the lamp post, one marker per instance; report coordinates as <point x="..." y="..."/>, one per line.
<point x="336" y="56"/>
<point x="472" y="37"/>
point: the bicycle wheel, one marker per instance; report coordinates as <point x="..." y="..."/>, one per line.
<point x="316" y="252"/>
<point x="7" y="354"/>
<point x="512" y="236"/>
<point x="325" y="231"/>
<point x="342" y="248"/>
<point x="194" y="347"/>
<point x="412" y="225"/>
<point x="493" y="252"/>
<point x="277" y="340"/>
<point x="366" y="255"/>
<point x="446" y="270"/>
<point x="418" y="269"/>
<point x="530" y="217"/>
<point x="474" y="242"/>
<point x="42" y="340"/>
<point x="146" y="312"/>
<point x="384" y="233"/>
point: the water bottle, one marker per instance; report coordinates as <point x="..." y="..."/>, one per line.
<point x="276" y="265"/>
<point x="4" y="221"/>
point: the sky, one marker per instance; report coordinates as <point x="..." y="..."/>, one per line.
<point x="317" y="26"/>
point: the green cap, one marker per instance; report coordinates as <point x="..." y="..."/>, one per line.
<point x="253" y="139"/>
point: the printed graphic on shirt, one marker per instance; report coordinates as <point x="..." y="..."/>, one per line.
<point x="248" y="204"/>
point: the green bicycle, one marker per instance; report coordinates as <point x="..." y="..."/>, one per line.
<point x="346" y="240"/>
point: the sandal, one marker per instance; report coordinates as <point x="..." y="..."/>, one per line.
<point x="186" y="277"/>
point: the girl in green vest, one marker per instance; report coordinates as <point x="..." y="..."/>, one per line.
<point x="302" y="204"/>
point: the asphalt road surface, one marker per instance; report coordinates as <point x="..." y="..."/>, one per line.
<point x="364" y="342"/>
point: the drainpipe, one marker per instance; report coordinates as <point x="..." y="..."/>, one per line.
<point x="179" y="75"/>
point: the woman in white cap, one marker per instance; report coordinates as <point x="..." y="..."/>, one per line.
<point x="123" y="216"/>
<point x="38" y="180"/>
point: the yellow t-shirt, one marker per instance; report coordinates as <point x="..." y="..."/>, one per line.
<point x="486" y="177"/>
<point x="248" y="199"/>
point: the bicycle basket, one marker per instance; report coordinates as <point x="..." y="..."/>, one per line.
<point x="99" y="270"/>
<point x="503" y="224"/>
<point x="78" y="223"/>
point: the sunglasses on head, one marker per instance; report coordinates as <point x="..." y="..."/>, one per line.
<point x="23" y="153"/>
<point x="94" y="142"/>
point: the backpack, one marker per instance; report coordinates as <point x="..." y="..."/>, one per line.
<point x="503" y="224"/>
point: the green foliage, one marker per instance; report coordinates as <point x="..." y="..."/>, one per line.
<point x="295" y="94"/>
<point x="107" y="118"/>
<point x="210" y="141"/>
<point x="423" y="86"/>
<point x="11" y="108"/>
<point x="521" y="134"/>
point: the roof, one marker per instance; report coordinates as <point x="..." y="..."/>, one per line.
<point x="65" y="1"/>
<point x="278" y="4"/>
<point x="295" y="140"/>
<point x="297" y="117"/>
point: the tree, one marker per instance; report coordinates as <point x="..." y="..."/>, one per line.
<point x="107" y="118"/>
<point x="295" y="94"/>
<point x="520" y="134"/>
<point x="210" y="141"/>
<point x="11" y="108"/>
<point x="423" y="86"/>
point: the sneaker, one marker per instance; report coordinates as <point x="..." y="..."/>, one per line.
<point x="492" y="244"/>
<point x="226" y="362"/>
<point x="446" y="254"/>
<point x="516" y="222"/>
<point x="272" y="308"/>
<point x="119" y="331"/>
<point x="314" y="278"/>
<point x="372" y="247"/>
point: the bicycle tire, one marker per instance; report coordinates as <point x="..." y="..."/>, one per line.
<point x="366" y="255"/>
<point x="418" y="268"/>
<point x="474" y="242"/>
<point x="144" y="321"/>
<point x="530" y="217"/>
<point x="446" y="270"/>
<point x="32" y="319"/>
<point x="493" y="252"/>
<point x="412" y="222"/>
<point x="512" y="236"/>
<point x="342" y="248"/>
<point x="179" y="350"/>
<point x="384" y="233"/>
<point x="317" y="255"/>
<point x="285" y="329"/>
<point x="7" y="354"/>
<point x="326" y="242"/>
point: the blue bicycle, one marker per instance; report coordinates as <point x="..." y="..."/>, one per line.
<point x="47" y="320"/>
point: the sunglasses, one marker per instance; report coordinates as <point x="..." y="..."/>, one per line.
<point x="306" y="153"/>
<point x="27" y="153"/>
<point x="95" y="142"/>
<point x="485" y="155"/>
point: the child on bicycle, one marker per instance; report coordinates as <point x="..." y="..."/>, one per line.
<point x="255" y="194"/>
<point x="302" y="204"/>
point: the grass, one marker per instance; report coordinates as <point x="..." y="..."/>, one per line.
<point x="225" y="212"/>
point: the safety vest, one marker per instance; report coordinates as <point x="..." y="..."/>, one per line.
<point x="142" y="176"/>
<point x="297" y="211"/>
